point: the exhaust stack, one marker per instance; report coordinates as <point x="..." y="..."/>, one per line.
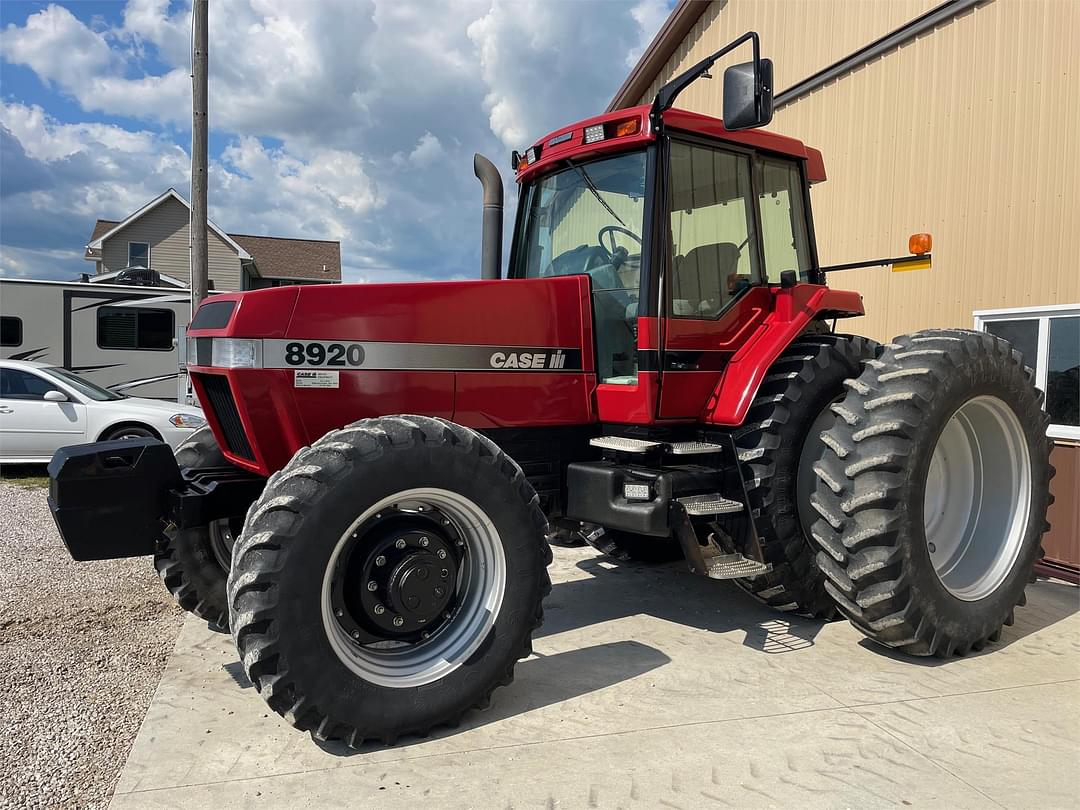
<point x="491" y="240"/>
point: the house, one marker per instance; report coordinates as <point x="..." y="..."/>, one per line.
<point x="156" y="237"/>
<point x="956" y="117"/>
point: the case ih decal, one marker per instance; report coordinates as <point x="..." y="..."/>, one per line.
<point x="319" y="354"/>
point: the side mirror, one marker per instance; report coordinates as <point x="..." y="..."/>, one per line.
<point x="744" y="106"/>
<point x="55" y="396"/>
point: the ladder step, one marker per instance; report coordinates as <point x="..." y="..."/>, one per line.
<point x="712" y="504"/>
<point x="694" y="448"/>
<point x="735" y="566"/>
<point x="624" y="444"/>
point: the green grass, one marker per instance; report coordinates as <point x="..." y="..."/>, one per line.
<point x="32" y="476"/>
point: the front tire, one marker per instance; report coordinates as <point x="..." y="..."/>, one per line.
<point x="933" y="493"/>
<point x="337" y="597"/>
<point x="194" y="563"/>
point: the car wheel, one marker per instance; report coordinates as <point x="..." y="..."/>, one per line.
<point x="129" y="432"/>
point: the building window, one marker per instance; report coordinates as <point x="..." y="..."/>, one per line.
<point x="10" y="331"/>
<point x="129" y="328"/>
<point x="1049" y="340"/>
<point x="138" y="254"/>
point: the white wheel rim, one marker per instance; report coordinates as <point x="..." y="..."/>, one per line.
<point x="481" y="583"/>
<point x="978" y="498"/>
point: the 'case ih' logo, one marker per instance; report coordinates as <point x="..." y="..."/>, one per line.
<point x="550" y="360"/>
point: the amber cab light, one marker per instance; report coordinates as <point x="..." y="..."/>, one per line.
<point x="920" y="243"/>
<point x="628" y="127"/>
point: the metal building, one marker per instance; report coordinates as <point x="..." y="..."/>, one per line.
<point x="957" y="118"/>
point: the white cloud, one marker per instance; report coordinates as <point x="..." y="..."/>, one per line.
<point x="342" y="119"/>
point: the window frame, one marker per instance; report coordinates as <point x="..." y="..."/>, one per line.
<point x="52" y="386"/>
<point x="760" y="278"/>
<point x="1042" y="315"/>
<point x="139" y="242"/>
<point x="19" y="324"/>
<point x="137" y="310"/>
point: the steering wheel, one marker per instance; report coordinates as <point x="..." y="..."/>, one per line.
<point x="611" y="230"/>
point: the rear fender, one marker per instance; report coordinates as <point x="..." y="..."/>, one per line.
<point x="793" y="311"/>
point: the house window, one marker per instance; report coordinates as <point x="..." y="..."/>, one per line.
<point x="1049" y="340"/>
<point x="10" y="331"/>
<point x="130" y="328"/>
<point x="138" y="254"/>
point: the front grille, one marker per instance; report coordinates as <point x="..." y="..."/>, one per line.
<point x="223" y="405"/>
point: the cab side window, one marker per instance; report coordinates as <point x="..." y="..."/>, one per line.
<point x="712" y="230"/>
<point x="18" y="384"/>
<point x="784" y="237"/>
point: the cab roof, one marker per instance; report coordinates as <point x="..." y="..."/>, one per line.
<point x="569" y="141"/>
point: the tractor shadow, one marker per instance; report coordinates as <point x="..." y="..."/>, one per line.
<point x="539" y="681"/>
<point x="670" y="593"/>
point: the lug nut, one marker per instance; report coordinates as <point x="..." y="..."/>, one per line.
<point x="339" y="613"/>
<point x="400" y="543"/>
<point x="445" y="521"/>
<point x="424" y="542"/>
<point x="398" y="621"/>
<point x="425" y="634"/>
<point x="932" y="547"/>
<point x="440" y="592"/>
<point x="446" y="614"/>
<point x="379" y="610"/>
<point x="380" y="560"/>
<point x="444" y="573"/>
<point x="441" y="554"/>
<point x="356" y="634"/>
<point x="373" y="586"/>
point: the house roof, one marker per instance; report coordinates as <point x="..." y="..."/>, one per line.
<point x="277" y="257"/>
<point x="274" y="256"/>
<point x="168" y="194"/>
<point x="664" y="44"/>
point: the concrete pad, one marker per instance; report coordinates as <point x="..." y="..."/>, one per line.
<point x="652" y="687"/>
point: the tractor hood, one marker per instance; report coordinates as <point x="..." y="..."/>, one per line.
<point x="487" y="354"/>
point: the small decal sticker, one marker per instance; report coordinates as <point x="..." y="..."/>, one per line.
<point x="315" y="379"/>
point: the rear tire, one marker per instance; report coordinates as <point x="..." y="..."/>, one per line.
<point x="933" y="493"/>
<point x="777" y="444"/>
<point x="194" y="563"/>
<point x="335" y="549"/>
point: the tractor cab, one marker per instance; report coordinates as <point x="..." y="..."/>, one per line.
<point x="690" y="231"/>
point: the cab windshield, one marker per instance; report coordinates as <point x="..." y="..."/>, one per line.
<point x="587" y="219"/>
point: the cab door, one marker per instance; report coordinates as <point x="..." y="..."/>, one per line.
<point x="715" y="293"/>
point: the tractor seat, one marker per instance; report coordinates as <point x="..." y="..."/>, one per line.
<point x="699" y="283"/>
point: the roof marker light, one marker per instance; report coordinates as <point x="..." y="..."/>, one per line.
<point x="628" y="127"/>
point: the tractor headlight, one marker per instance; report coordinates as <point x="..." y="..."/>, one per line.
<point x="191" y="421"/>
<point x="235" y="353"/>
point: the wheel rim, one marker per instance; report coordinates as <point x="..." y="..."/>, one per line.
<point x="382" y="608"/>
<point x="223" y="534"/>
<point x="978" y="497"/>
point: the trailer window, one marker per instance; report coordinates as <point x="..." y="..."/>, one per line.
<point x="131" y="328"/>
<point x="10" y="331"/>
<point x="783" y="219"/>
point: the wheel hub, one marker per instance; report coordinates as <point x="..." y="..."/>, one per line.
<point x="400" y="583"/>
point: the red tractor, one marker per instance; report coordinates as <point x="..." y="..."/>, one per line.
<point x="370" y="510"/>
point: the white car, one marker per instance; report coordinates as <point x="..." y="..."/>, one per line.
<point x="44" y="408"/>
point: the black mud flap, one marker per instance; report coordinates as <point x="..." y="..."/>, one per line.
<point x="109" y="498"/>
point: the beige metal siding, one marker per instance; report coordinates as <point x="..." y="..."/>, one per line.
<point x="968" y="131"/>
<point x="166" y="229"/>
<point x="800" y="36"/>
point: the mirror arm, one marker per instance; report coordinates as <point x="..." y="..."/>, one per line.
<point x="665" y="98"/>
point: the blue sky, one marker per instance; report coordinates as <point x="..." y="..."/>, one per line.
<point x="353" y="120"/>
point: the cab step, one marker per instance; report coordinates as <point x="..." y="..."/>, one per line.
<point x="626" y="444"/>
<point x="734" y="566"/>
<point x="710" y="504"/>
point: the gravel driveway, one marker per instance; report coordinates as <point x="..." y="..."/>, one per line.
<point x="82" y="648"/>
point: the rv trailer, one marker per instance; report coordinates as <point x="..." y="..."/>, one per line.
<point x="122" y="337"/>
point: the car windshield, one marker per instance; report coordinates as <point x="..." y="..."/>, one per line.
<point x="587" y="219"/>
<point x="84" y="387"/>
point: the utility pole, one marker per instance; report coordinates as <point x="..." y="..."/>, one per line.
<point x="200" y="63"/>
